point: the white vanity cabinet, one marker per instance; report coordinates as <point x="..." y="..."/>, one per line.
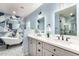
<point x="48" y="53"/>
<point x="32" y="47"/>
<point x="58" y="51"/>
<point x="35" y="47"/>
<point x="40" y="48"/>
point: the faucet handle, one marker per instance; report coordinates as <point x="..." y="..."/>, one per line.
<point x="62" y="37"/>
<point x="67" y="38"/>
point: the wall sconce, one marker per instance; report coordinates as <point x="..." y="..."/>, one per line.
<point x="72" y="15"/>
<point x="40" y="15"/>
<point x="40" y="12"/>
<point x="14" y="12"/>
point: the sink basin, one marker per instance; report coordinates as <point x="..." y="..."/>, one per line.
<point x="39" y="35"/>
<point x="62" y="42"/>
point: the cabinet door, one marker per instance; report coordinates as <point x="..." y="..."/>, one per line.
<point x="62" y="52"/>
<point x="48" y="53"/>
<point x="39" y="44"/>
<point x="32" y="47"/>
<point x="39" y="48"/>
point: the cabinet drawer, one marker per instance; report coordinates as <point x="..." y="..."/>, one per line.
<point x="39" y="48"/>
<point x="58" y="51"/>
<point x="66" y="53"/>
<point x="32" y="46"/>
<point x="39" y="51"/>
<point x="48" y="53"/>
<point x="39" y="44"/>
<point x="48" y="47"/>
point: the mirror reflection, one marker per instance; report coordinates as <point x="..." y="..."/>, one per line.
<point x="66" y="20"/>
<point x="41" y="24"/>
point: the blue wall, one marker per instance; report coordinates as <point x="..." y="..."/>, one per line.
<point x="48" y="11"/>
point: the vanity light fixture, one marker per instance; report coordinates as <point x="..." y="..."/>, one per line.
<point x="71" y="14"/>
<point x="39" y="15"/>
<point x="14" y="12"/>
<point x="40" y="12"/>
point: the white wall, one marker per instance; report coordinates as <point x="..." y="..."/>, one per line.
<point x="77" y="19"/>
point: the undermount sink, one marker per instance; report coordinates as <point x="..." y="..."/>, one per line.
<point x="55" y="39"/>
<point x="62" y="42"/>
<point x="66" y="43"/>
<point x="39" y="35"/>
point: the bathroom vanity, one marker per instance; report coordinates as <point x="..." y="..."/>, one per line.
<point x="64" y="41"/>
<point x="42" y="46"/>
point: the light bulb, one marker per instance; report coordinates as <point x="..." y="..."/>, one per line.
<point x="14" y="12"/>
<point x="71" y="14"/>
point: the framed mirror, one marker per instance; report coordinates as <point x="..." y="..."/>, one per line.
<point x="65" y="21"/>
<point x="40" y="24"/>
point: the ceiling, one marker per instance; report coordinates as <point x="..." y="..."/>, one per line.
<point x="22" y="9"/>
<point x="66" y="12"/>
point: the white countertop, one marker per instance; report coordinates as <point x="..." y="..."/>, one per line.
<point x="62" y="44"/>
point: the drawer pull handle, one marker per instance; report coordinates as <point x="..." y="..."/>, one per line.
<point x="38" y="42"/>
<point x="54" y="49"/>
<point x="39" y="50"/>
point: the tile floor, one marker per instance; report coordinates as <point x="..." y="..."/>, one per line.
<point x="11" y="51"/>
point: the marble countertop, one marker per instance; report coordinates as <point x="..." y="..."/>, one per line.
<point x="62" y="44"/>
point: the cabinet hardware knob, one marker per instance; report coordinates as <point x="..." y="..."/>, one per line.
<point x="39" y="50"/>
<point x="38" y="42"/>
<point x="54" y="49"/>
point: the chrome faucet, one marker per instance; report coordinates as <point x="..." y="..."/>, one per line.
<point x="67" y="38"/>
<point x="60" y="37"/>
